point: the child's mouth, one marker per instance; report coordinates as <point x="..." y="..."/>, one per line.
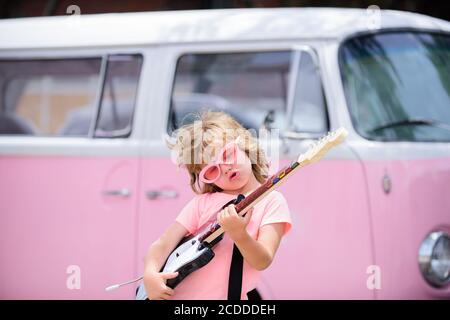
<point x="234" y="175"/>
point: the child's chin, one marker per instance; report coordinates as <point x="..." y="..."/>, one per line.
<point x="235" y="185"/>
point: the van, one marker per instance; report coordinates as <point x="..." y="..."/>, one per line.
<point x="87" y="182"/>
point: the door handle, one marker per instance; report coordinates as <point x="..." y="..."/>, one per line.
<point x="117" y="193"/>
<point x="155" y="194"/>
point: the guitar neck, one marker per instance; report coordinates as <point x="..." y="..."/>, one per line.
<point x="253" y="198"/>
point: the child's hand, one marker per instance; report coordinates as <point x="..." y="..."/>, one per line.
<point x="155" y="285"/>
<point x="232" y="223"/>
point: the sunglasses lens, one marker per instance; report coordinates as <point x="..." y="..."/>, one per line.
<point x="212" y="173"/>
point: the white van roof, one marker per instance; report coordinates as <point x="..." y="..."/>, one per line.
<point x="115" y="29"/>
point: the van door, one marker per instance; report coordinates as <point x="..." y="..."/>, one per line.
<point x="328" y="251"/>
<point x="397" y="88"/>
<point x="69" y="174"/>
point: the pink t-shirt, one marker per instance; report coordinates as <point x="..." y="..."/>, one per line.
<point x="211" y="281"/>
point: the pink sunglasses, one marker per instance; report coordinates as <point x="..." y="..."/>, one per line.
<point x="227" y="155"/>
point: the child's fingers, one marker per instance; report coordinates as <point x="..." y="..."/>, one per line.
<point x="221" y="216"/>
<point x="229" y="211"/>
<point x="169" y="291"/>
<point x="169" y="275"/>
<point x="226" y="212"/>
<point x="232" y="209"/>
<point x="165" y="296"/>
<point x="165" y="292"/>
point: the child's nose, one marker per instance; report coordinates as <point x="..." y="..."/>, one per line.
<point x="226" y="168"/>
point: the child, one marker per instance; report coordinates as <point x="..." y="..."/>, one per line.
<point x="223" y="160"/>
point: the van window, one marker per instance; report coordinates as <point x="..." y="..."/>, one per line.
<point x="252" y="87"/>
<point x="58" y="97"/>
<point x="119" y="95"/>
<point x="45" y="97"/>
<point x="309" y="110"/>
<point x="397" y="85"/>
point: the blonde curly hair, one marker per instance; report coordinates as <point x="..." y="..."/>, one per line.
<point x="192" y="145"/>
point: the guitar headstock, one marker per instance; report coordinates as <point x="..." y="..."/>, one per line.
<point x="322" y="146"/>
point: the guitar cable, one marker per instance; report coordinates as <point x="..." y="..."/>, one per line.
<point x="116" y="286"/>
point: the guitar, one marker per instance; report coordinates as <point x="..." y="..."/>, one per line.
<point x="194" y="252"/>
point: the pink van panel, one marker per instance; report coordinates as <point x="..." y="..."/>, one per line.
<point x="53" y="216"/>
<point x="417" y="204"/>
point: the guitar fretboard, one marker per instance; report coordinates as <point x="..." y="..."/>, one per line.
<point x="275" y="180"/>
<point x="269" y="184"/>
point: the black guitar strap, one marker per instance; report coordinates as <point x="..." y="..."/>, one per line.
<point x="235" y="279"/>
<point x="237" y="263"/>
